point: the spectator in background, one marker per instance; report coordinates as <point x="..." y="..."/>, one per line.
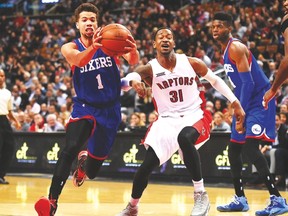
<point x="202" y="55"/>
<point x="50" y="97"/>
<point x="145" y="104"/>
<point x="152" y="117"/>
<point x="210" y="107"/>
<point x="40" y="98"/>
<point x="52" y="124"/>
<point x="272" y="71"/>
<point x="52" y="109"/>
<point x="64" y="114"/>
<point x="136" y="121"/>
<point x="284" y="118"/>
<point x="127" y="100"/>
<point x="21" y="118"/>
<point x="61" y="95"/>
<point x="24" y="97"/>
<point x="124" y="122"/>
<point x="219" y="105"/>
<point x="38" y="123"/>
<point x="16" y="98"/>
<point x="228" y="115"/>
<point x="35" y="107"/>
<point x="219" y="123"/>
<point x="143" y="117"/>
<point x="43" y="110"/>
<point x="283" y="108"/>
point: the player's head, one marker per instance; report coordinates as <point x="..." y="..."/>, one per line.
<point x="226" y="18"/>
<point x="221" y="26"/>
<point x="87" y="7"/>
<point x="163" y="40"/>
<point x="86" y="16"/>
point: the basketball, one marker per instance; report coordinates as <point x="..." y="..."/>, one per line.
<point x="114" y="39"/>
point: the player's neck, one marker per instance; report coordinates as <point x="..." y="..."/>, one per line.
<point x="224" y="43"/>
<point x="86" y="41"/>
<point x="168" y="62"/>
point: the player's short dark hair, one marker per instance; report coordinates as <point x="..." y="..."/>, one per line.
<point x="223" y="16"/>
<point x="158" y="29"/>
<point x="89" y="7"/>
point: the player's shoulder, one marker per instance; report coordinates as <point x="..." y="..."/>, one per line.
<point x="144" y="69"/>
<point x="7" y="92"/>
<point x="237" y="47"/>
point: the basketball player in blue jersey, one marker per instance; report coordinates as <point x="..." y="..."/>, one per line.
<point x="96" y="112"/>
<point x="282" y="73"/>
<point x="183" y="124"/>
<point x="250" y="84"/>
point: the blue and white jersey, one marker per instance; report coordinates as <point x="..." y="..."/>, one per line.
<point x="98" y="82"/>
<point x="259" y="78"/>
<point x="259" y="123"/>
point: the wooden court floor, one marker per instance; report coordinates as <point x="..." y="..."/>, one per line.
<point x="107" y="198"/>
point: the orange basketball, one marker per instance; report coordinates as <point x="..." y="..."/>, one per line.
<point x="114" y="39"/>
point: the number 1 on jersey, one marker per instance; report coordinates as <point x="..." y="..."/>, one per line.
<point x="100" y="85"/>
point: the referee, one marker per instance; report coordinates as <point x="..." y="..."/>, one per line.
<point x="7" y="142"/>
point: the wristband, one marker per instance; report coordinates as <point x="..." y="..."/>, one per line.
<point x="133" y="76"/>
<point x="125" y="82"/>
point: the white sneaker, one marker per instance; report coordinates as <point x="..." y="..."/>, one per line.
<point x="129" y="211"/>
<point x="201" y="204"/>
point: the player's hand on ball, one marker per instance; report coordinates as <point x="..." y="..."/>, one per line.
<point x="132" y="44"/>
<point x="97" y="38"/>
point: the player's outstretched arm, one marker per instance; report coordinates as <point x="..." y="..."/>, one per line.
<point x="134" y="80"/>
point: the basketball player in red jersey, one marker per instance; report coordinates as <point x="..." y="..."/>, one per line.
<point x="282" y="73"/>
<point x="96" y="112"/>
<point x="183" y="124"/>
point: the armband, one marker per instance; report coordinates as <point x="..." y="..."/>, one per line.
<point x="220" y="85"/>
<point x="246" y="89"/>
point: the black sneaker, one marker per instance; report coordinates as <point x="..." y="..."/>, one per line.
<point x="3" y="181"/>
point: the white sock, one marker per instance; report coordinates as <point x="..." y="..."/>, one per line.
<point x="199" y="185"/>
<point x="134" y="202"/>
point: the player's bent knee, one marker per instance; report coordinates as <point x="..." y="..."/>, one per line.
<point x="187" y="136"/>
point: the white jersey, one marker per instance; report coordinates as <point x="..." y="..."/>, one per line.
<point x="175" y="92"/>
<point x="178" y="103"/>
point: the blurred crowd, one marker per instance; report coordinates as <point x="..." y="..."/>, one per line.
<point x="40" y="79"/>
